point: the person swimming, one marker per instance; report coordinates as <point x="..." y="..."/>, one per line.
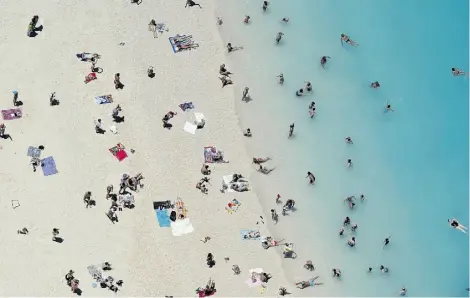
<point x="336" y="273"/>
<point x="279" y="37"/>
<point x="247" y="19"/>
<point x="457" y="72"/>
<point x="346" y="221"/>
<point x="348" y="140"/>
<point x="456" y="225"/>
<point x="323" y="60"/>
<point x="387" y="240"/>
<point x="403" y="291"/>
<point x="350" y="201"/>
<point x="299" y="93"/>
<point x="265" y="5"/>
<point x="281" y="79"/>
<point x="354" y="227"/>
<point x="308" y="86"/>
<point x="285" y="20"/>
<point x="341" y="231"/>
<point x="388" y="107"/>
<point x="348" y="40"/>
<point x="375" y="85"/>
<point x="352" y="242"/>
<point x="349" y="163"/>
<point x="383" y="269"/>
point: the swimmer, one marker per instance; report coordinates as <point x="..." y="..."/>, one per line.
<point x="403" y="291"/>
<point x="388" y="107"/>
<point x="281" y="79"/>
<point x="375" y="85"/>
<point x="291" y="130"/>
<point x="362" y="197"/>
<point x="457" y="72"/>
<point x="341" y="231"/>
<point x="323" y="61"/>
<point x="383" y="269"/>
<point x="265" y="5"/>
<point x="336" y="273"/>
<point x="285" y="20"/>
<point x="247" y="19"/>
<point x="346" y="221"/>
<point x="348" y="140"/>
<point x="312" y="105"/>
<point x="299" y="93"/>
<point x="370" y="270"/>
<point x="387" y="240"/>
<point x="350" y="201"/>
<point x="311" y="177"/>
<point x="352" y="242"/>
<point x="279" y="37"/>
<point x="348" y="40"/>
<point x="349" y="163"/>
<point x="308" y="86"/>
<point x="354" y="227"/>
<point x="456" y="225"/>
<point x="311" y="111"/>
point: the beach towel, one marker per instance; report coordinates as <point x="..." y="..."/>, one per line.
<point x="182" y="42"/>
<point x="118" y="151"/>
<point x="103" y="99"/>
<point x="34" y="152"/>
<point x="189" y="127"/>
<point x="90" y="77"/>
<point x="250" y="235"/>
<point x="11" y="114"/>
<point x="186" y="106"/>
<point x="181" y="227"/>
<point x="48" y="166"/>
<point x="163" y="218"/>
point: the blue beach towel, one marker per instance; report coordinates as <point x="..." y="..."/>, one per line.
<point x="34" y="152"/>
<point x="163" y="218"/>
<point x="48" y="166"/>
<point x="250" y="234"/>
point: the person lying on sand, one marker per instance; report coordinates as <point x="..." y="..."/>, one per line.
<point x="231" y="48"/>
<point x="260" y="160"/>
<point x="348" y="40"/>
<point x="238" y="178"/>
<point x="225" y="81"/>
<point x="309" y="265"/>
<point x="240" y="187"/>
<point x="264" y="170"/>
<point x="308" y="283"/>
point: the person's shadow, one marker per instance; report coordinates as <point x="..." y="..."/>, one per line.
<point x="78" y="292"/>
<point x="18" y="103"/>
<point x="6" y="136"/>
<point x="138" y="2"/>
<point x="58" y="239"/>
<point x="97" y="69"/>
<point x="35" y="30"/>
<point x="118" y="119"/>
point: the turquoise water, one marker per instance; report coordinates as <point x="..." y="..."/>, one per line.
<point x="411" y="164"/>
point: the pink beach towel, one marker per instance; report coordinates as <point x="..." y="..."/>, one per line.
<point x="11" y="114"/>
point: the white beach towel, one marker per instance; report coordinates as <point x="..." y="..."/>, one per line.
<point x="113" y="129"/>
<point x="199" y="117"/>
<point x="181" y="227"/>
<point x="226" y="182"/>
<point x="189" y="127"/>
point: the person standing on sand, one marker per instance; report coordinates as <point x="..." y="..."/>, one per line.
<point x="311" y="177"/>
<point x="323" y="61"/>
<point x="348" y="40"/>
<point x="15" y="98"/>
<point x="245" y="93"/>
<point x="191" y="3"/>
<point x="291" y="130"/>
<point x="117" y="81"/>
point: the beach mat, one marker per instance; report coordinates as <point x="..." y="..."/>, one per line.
<point x="34" y="152"/>
<point x="189" y="127"/>
<point x="163" y="218"/>
<point x="118" y="152"/>
<point x="245" y="235"/>
<point x="173" y="39"/>
<point x="103" y="99"/>
<point x="11" y="114"/>
<point x="48" y="166"/>
<point x="181" y="227"/>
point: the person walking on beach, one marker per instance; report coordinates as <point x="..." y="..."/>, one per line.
<point x="350" y="201"/>
<point x="387" y="241"/>
<point x="323" y="61"/>
<point x="265" y="5"/>
<point x="245" y="93"/>
<point x="311" y="177"/>
<point x="15" y="98"/>
<point x="291" y="130"/>
<point x="191" y="3"/>
<point x="457" y="72"/>
<point x="279" y="37"/>
<point x="117" y="82"/>
<point x="281" y="78"/>
<point x="348" y="40"/>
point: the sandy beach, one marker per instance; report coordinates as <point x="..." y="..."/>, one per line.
<point x="149" y="259"/>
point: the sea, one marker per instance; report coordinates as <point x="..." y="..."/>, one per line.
<point x="411" y="163"/>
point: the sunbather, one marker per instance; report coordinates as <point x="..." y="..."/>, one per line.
<point x="308" y="283"/>
<point x="217" y="156"/>
<point x="264" y="170"/>
<point x="240" y="187"/>
<point x="225" y="81"/>
<point x="260" y="160"/>
<point x="88" y="57"/>
<point x="231" y="48"/>
<point x="35" y="162"/>
<point x="252" y="235"/>
<point x="187" y="105"/>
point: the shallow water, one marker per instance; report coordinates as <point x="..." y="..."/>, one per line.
<point x="411" y="164"/>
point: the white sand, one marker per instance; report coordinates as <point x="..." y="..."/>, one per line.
<point x="148" y="258"/>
